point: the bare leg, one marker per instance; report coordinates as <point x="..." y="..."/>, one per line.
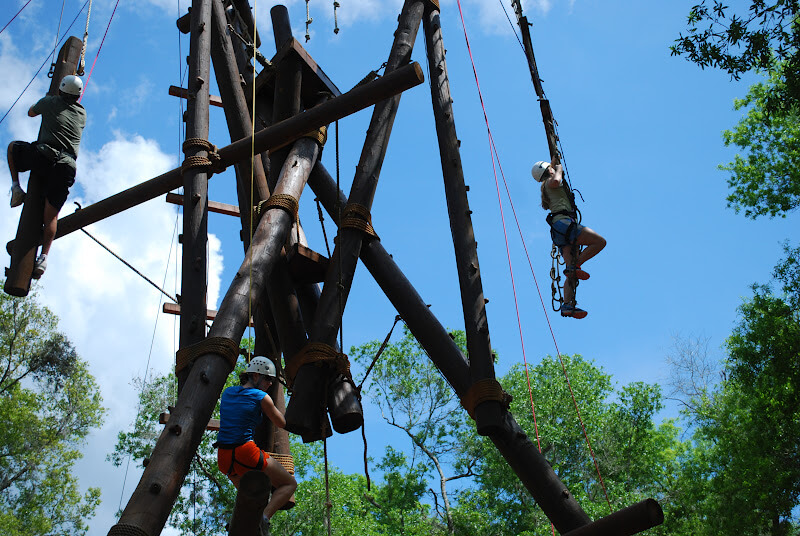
<point x="284" y="484"/>
<point x="569" y="283"/>
<point x="594" y="244"/>
<point x="11" y="168"/>
<point x="50" y="226"/>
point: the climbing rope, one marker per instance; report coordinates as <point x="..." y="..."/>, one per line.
<point x="54" y="54"/>
<point x="102" y="41"/>
<point x="336" y="6"/>
<point x="82" y="63"/>
<point x="15" y="16"/>
<point x="495" y="157"/>
<point x="309" y="20"/>
<point x="42" y="65"/>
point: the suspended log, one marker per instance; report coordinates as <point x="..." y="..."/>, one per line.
<point x="195" y="184"/>
<point x="311" y="381"/>
<point x="488" y="415"/>
<point x="251" y="499"/>
<point x="354" y="100"/>
<point x="24" y="247"/>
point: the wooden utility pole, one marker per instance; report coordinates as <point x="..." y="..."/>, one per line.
<point x="487" y="413"/>
<point x="29" y="230"/>
<point x="195" y="184"/>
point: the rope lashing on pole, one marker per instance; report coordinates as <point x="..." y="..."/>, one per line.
<point x="213" y="161"/>
<point x="355" y="216"/>
<point x="282" y="201"/>
<point x="319" y="354"/>
<point x="482" y="391"/>
<point x="227" y="348"/>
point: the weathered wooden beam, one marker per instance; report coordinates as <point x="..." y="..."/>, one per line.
<point x="195" y="185"/>
<point x="310" y="381"/>
<point x="29" y="230"/>
<point x="488" y="415"/>
<point x="626" y="522"/>
<point x="533" y="470"/>
<point x="213" y="206"/>
<point x="175" y="309"/>
<point x="318" y="80"/>
<point x="251" y="499"/>
<point x="149" y="507"/>
<point x="245" y="13"/>
<point x="354" y="100"/>
<point x="183" y="93"/>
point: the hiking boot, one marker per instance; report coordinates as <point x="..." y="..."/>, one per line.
<point x="17" y="195"/>
<point x="569" y="309"/>
<point x="39" y="266"/>
<point x="575" y="272"/>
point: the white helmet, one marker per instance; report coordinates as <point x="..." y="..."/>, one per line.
<point x="262" y="366"/>
<point x="71" y="85"/>
<point x="538" y="170"/>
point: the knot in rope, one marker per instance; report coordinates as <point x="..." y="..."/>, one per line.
<point x="319" y="135"/>
<point x="355" y="216"/>
<point x="227" y="348"/>
<point x="319" y="354"/>
<point x="283" y="201"/>
<point x="482" y="391"/>
<point x="213" y="161"/>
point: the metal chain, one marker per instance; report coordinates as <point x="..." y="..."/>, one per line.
<point x="555" y="276"/>
<point x="336" y="6"/>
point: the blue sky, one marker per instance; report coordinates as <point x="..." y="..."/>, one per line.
<point x="642" y="138"/>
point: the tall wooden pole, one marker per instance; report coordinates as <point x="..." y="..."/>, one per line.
<point x="347" y="415"/>
<point x="150" y="505"/>
<point x="29" y="230"/>
<point x="195" y="184"/>
<point x="488" y="415"/>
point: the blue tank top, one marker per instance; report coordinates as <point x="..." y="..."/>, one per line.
<point x="239" y="414"/>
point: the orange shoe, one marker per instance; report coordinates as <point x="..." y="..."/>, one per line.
<point x="575" y="272"/>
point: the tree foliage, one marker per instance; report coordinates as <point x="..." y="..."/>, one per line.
<point x="766" y="180"/>
<point x="49" y="403"/>
<point x="758" y="35"/>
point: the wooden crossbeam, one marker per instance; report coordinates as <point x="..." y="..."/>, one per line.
<point x="213" y="206"/>
<point x="175" y="309"/>
<point x="183" y="93"/>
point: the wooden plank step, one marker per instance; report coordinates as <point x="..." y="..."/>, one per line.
<point x="175" y="309"/>
<point x="213" y="206"/>
<point x="306" y="265"/>
<point x="183" y="93"/>
<point x="213" y="424"/>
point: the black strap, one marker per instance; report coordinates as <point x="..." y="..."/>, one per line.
<point x="259" y="465"/>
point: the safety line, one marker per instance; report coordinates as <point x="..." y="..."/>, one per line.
<point x="512" y="26"/>
<point x="493" y="149"/>
<point x="42" y="66"/>
<point x="98" y="51"/>
<point x="252" y="177"/>
<point x="58" y="30"/>
<point x="15" y="16"/>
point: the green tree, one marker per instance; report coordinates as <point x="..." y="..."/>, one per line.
<point x="766" y="180"/>
<point x="48" y="405"/>
<point x="759" y="35"/>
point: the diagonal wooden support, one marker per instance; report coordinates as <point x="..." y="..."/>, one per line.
<point x="312" y="382"/>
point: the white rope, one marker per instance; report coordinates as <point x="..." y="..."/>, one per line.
<point x="82" y="63"/>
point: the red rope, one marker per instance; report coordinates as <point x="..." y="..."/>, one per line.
<point x="98" y="51"/>
<point x="494" y="155"/>
<point x="15" y="16"/>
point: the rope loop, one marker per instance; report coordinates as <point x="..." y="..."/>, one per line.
<point x="319" y="354"/>
<point x="484" y="391"/>
<point x="319" y="135"/>
<point x="213" y="162"/>
<point x="227" y="348"/>
<point x="355" y="216"/>
<point x="282" y="201"/>
<point x="286" y="460"/>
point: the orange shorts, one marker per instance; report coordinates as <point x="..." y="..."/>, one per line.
<point x="238" y="461"/>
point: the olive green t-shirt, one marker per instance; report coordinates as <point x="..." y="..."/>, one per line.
<point x="62" y="126"/>
<point x="558" y="202"/>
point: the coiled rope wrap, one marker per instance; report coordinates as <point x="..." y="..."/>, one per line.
<point x="123" y="529"/>
<point x="484" y="391"/>
<point x="355" y="216"/>
<point x="213" y="162"/>
<point x="282" y="201"/>
<point x="286" y="460"/>
<point x="319" y="354"/>
<point x="319" y="135"/>
<point x="227" y="348"/>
